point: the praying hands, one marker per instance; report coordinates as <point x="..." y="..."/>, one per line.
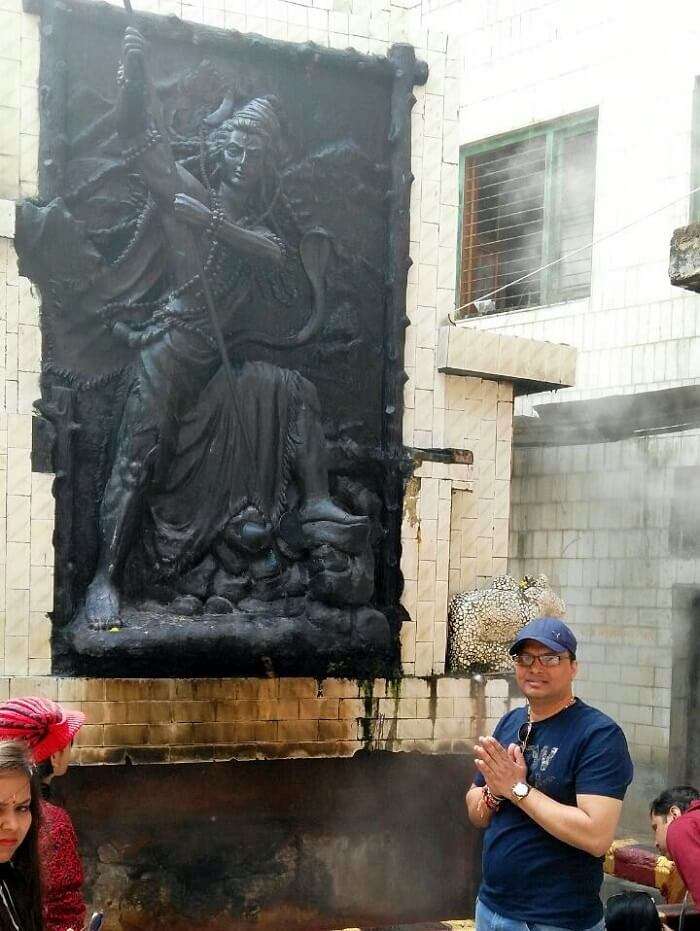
<point x="501" y="768"/>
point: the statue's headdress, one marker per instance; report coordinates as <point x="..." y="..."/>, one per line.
<point x="259" y="116"/>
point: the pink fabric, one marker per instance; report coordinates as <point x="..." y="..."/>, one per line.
<point x="683" y="842"/>
<point x="61" y="871"/>
<point x="44" y="726"/>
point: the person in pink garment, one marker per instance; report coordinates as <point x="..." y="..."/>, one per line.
<point x="675" y="821"/>
<point x="48" y="730"/>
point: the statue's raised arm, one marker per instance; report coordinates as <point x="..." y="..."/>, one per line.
<point x="183" y="200"/>
<point x="140" y="125"/>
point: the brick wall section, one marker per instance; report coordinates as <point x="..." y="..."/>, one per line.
<point x="177" y="720"/>
<point x="597" y="521"/>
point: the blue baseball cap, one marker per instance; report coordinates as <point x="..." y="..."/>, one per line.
<point x="550" y="632"/>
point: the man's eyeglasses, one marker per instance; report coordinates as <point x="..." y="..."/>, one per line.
<point x="546" y="659"/>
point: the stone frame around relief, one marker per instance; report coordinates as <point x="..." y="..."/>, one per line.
<point x="58" y="429"/>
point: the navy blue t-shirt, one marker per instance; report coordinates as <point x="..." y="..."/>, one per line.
<point x="528" y="875"/>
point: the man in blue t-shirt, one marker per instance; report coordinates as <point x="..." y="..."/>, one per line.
<point x="549" y="792"/>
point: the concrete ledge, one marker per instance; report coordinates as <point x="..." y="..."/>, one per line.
<point x="607" y="420"/>
<point x="532" y="365"/>
<point x="684" y="268"/>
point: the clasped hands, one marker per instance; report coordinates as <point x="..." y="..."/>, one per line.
<point x="501" y="767"/>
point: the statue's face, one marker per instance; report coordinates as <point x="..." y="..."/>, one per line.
<point x="243" y="160"/>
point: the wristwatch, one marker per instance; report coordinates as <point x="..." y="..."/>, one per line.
<point x="520" y="791"/>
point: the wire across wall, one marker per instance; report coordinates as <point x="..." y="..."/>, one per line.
<point x="567" y="256"/>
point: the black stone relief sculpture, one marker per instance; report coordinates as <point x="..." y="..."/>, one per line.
<point x="221" y="248"/>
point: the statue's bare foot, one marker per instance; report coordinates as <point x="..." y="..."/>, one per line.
<point x="317" y="509"/>
<point x="102" y="603"/>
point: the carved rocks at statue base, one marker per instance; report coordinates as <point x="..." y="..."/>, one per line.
<point x="221" y="247"/>
<point x="285" y="639"/>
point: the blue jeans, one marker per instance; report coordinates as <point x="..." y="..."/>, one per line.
<point x="486" y="920"/>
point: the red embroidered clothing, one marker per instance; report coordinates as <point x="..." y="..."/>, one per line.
<point x="683" y="842"/>
<point x="61" y="870"/>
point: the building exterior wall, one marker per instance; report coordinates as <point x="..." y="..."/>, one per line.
<point x="596" y="519"/>
<point x="526" y="63"/>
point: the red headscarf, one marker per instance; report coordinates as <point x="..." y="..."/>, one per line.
<point x="41" y="723"/>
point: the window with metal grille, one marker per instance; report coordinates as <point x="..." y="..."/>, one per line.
<point x="526" y="201"/>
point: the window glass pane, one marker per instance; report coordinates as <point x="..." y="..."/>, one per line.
<point x="575" y="187"/>
<point x="695" y="156"/>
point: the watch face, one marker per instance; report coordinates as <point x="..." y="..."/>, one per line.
<point x="521" y="789"/>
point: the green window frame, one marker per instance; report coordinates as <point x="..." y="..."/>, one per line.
<point x="549" y="287"/>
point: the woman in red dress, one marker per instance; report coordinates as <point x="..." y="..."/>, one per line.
<point x="48" y="730"/>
